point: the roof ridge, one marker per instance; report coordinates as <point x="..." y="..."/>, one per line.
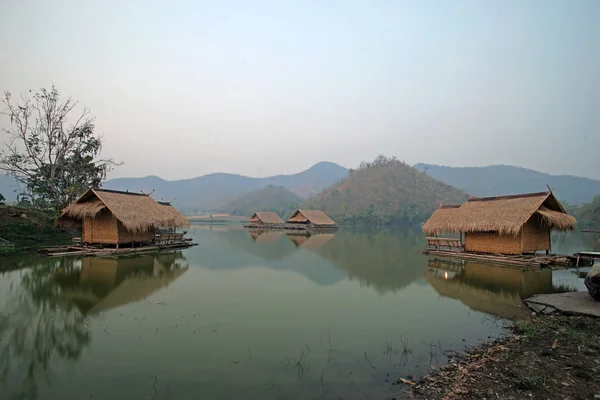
<point x="120" y="192"/>
<point x="511" y="196"/>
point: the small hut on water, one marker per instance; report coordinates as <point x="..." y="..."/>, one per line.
<point x="110" y="217"/>
<point x="260" y="219"/>
<point x="316" y="218"/>
<point x="514" y="224"/>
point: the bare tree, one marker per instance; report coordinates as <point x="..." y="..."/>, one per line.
<point x="54" y="156"/>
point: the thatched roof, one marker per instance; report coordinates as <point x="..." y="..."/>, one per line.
<point x="317" y="217"/>
<point x="137" y="212"/>
<point x="504" y="214"/>
<point x="440" y="218"/>
<point x="266" y="217"/>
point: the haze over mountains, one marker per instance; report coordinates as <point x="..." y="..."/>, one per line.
<point x="496" y="180"/>
<point x="212" y="192"/>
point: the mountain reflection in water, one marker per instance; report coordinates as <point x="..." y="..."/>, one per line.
<point x="353" y="306"/>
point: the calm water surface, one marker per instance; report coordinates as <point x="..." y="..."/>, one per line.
<point x="260" y="316"/>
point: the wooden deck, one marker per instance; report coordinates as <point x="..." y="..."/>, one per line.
<point x="293" y="227"/>
<point x="94" y="251"/>
<point x="530" y="261"/>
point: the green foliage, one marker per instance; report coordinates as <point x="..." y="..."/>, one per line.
<point x="270" y="198"/>
<point x="55" y="159"/>
<point x="28" y="227"/>
<point x="588" y="214"/>
<point x="383" y="192"/>
<point x="2" y="199"/>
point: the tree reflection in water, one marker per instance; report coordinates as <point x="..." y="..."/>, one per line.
<point x="40" y="324"/>
<point x="37" y="327"/>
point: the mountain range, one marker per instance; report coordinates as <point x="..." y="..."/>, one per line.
<point x="211" y="192"/>
<point x="496" y="180"/>
<point x="271" y="198"/>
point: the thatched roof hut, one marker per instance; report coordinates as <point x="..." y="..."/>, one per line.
<point x="313" y="217"/>
<point x="265" y="218"/>
<point x="113" y="217"/>
<point x="440" y="220"/>
<point x="524" y="220"/>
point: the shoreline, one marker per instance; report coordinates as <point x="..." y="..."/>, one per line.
<point x="544" y="356"/>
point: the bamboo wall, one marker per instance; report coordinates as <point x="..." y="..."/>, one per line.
<point x="101" y="229"/>
<point x="492" y="242"/>
<point x="104" y="229"/>
<point x="535" y="236"/>
<point x="126" y="236"/>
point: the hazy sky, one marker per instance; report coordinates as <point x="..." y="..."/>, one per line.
<point x="184" y="88"/>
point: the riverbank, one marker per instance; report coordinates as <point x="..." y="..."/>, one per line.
<point x="23" y="229"/>
<point x="545" y="357"/>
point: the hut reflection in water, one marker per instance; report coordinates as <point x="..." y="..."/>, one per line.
<point x="104" y="283"/>
<point x="496" y="290"/>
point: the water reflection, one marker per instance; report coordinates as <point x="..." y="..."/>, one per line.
<point x="350" y="308"/>
<point x="493" y="289"/>
<point x="310" y="241"/>
<point x="43" y="322"/>
<point x="104" y="283"/>
<point x="37" y="327"/>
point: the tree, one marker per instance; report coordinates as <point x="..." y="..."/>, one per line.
<point x="2" y="199"/>
<point x="54" y="155"/>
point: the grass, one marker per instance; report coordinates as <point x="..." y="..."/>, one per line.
<point x="27" y="228"/>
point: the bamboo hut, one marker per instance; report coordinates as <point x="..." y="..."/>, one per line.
<point x="259" y="219"/>
<point x="311" y="217"/>
<point x="110" y="217"/>
<point x="514" y="224"/>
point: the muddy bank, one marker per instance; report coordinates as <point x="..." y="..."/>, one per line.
<point x="546" y="357"/>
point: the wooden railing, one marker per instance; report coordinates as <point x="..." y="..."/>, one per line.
<point x="448" y="243"/>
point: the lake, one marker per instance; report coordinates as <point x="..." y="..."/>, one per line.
<point x="257" y="316"/>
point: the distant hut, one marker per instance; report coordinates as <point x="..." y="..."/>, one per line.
<point x="504" y="225"/>
<point x="113" y="217"/>
<point x="312" y="217"/>
<point x="265" y="219"/>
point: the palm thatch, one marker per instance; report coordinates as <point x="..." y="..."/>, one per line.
<point x="441" y="220"/>
<point x="266" y="218"/>
<point x="315" y="217"/>
<point x="137" y="212"/>
<point x="505" y="215"/>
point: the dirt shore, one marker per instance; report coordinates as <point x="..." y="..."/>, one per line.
<point x="546" y="357"/>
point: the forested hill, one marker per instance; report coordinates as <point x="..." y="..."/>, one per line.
<point x="270" y="198"/>
<point x="385" y="191"/>
<point x="496" y="180"/>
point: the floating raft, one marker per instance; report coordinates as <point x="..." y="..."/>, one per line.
<point x="532" y="261"/>
<point x="293" y="227"/>
<point x="80" y="250"/>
